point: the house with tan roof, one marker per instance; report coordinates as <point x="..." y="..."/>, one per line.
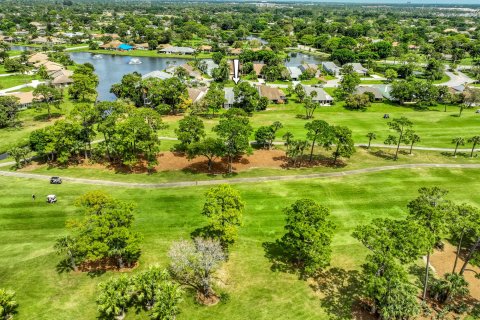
<point x="273" y="94"/>
<point x="112" y="45"/>
<point x="196" y="94"/>
<point x="235" y="51"/>
<point x="38" y="57"/>
<point x="61" y="78"/>
<point x="52" y="66"/>
<point x="25" y="99"/>
<point x="205" y="48"/>
<point x="257" y="67"/>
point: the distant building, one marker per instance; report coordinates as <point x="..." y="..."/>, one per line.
<point x="177" y="50"/>
<point x="331" y="68"/>
<point x="321" y="96"/>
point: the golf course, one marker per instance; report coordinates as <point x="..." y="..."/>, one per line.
<point x="29" y="229"/>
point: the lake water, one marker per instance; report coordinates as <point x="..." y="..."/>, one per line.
<point x="110" y="69"/>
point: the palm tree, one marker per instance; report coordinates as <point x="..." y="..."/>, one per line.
<point x="371" y="136"/>
<point x="414" y="138"/>
<point x="458" y="141"/>
<point x="169" y="296"/>
<point x="67" y="245"/>
<point x="114" y="298"/>
<point x="475" y="140"/>
<point x="8" y="305"/>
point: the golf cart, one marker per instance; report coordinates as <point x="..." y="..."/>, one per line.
<point x="55" y="180"/>
<point x="51" y="198"/>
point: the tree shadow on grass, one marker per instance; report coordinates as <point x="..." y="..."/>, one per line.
<point x="340" y="291"/>
<point x="382" y="154"/>
<point x="44" y="117"/>
<point x="64" y="266"/>
<point x="275" y="253"/>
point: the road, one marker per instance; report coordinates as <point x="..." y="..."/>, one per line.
<point x="457" y="79"/>
<point x="241" y="180"/>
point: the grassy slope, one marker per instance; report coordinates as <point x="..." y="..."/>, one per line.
<point x="28" y="229"/>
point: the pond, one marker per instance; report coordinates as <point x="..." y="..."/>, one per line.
<point x="110" y="68"/>
<point x="295" y="59"/>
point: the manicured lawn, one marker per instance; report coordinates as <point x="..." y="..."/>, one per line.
<point x="15" y="80"/>
<point x="444" y="79"/>
<point x="435" y="127"/>
<point x="29" y="229"/>
<point x="31" y="119"/>
<point x="373" y="81"/>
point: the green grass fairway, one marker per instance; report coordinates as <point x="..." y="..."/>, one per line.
<point x="435" y="127"/>
<point x="28" y="230"/>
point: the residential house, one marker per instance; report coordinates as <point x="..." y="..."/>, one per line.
<point x="331" y="68"/>
<point x="124" y="47"/>
<point x="257" y="67"/>
<point x="273" y="94"/>
<point x="235" y="51"/>
<point x="295" y="73"/>
<point x="162" y="75"/>
<point x="378" y="96"/>
<point x="49" y="41"/>
<point x="141" y="46"/>
<point x="229" y="97"/>
<point x="177" y="50"/>
<point x="205" y="48"/>
<point x="320" y="96"/>
<point x="196" y="94"/>
<point x="38" y="57"/>
<point x="192" y="72"/>
<point x="61" y="78"/>
<point x="50" y="66"/>
<point x="112" y="45"/>
<point x="25" y="99"/>
<point x="304" y="67"/>
<point x="358" y="68"/>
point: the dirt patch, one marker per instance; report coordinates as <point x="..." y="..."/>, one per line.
<point x="105" y="265"/>
<point x="174" y="161"/>
<point x="442" y="262"/>
<point x="168" y="161"/>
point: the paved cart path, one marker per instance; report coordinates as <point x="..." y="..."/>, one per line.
<point x="241" y="180"/>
